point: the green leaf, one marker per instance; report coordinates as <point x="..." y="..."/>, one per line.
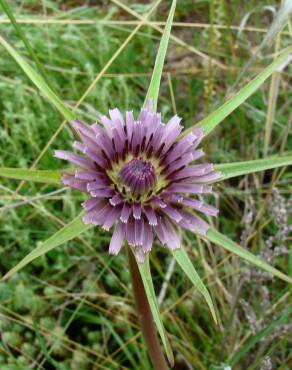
<point x="46" y="176"/>
<point x="185" y="263"/>
<point x="217" y="116"/>
<point x="229" y="170"/>
<point x="153" y="89"/>
<point x="284" y="317"/>
<point x="39" y="82"/>
<point x="21" y="34"/>
<point x="68" y="232"/>
<point x="222" y="240"/>
<point x="149" y="289"/>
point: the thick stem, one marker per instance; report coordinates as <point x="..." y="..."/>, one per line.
<point x="145" y="317"/>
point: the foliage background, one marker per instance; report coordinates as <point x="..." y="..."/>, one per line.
<point x="73" y="308"/>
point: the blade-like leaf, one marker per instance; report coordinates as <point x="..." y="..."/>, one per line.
<point x="217" y="116"/>
<point x="46" y="176"/>
<point x="185" y="263"/>
<point x="149" y="289"/>
<point x="39" y="82"/>
<point x="21" y="34"/>
<point x="153" y="89"/>
<point x="229" y="170"/>
<point x="222" y="240"/>
<point x="68" y="232"/>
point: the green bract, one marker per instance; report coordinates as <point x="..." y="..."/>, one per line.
<point x="229" y="170"/>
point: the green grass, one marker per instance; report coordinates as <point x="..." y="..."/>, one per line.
<point x="73" y="308"/>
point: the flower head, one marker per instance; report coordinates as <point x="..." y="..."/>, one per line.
<point x="141" y="178"/>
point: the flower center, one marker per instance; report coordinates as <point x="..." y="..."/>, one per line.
<point x="139" y="176"/>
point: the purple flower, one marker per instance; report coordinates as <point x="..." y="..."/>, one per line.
<point x="140" y="178"/>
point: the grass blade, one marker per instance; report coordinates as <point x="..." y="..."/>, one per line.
<point x="185" y="263"/>
<point x="45" y="176"/>
<point x="68" y="232"/>
<point x="222" y="240"/>
<point x="229" y="170"/>
<point x="38" y="81"/>
<point x="285" y="317"/>
<point x="149" y="289"/>
<point x="217" y="116"/>
<point x="21" y="34"/>
<point x="153" y="89"/>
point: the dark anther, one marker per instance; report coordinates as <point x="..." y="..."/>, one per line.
<point x="160" y="149"/>
<point x="149" y="193"/>
<point x="149" y="151"/>
<point x="114" y="145"/>
<point x="165" y="169"/>
<point x="137" y="150"/>
<point x="143" y="143"/>
<point x="176" y="171"/>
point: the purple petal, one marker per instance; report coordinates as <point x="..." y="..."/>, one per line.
<point x="199" y="132"/>
<point x="171" y="132"/>
<point x="172" y="213"/>
<point x="139" y="231"/>
<point x="200" y="206"/>
<point x="137" y="211"/>
<point x="184" y="160"/>
<point x="130" y="232"/>
<point x="148" y="238"/>
<point x="158" y="202"/>
<point x="107" y="125"/>
<point x="104" y="142"/>
<point x="119" y="143"/>
<point x="193" y="223"/>
<point x="117" y="239"/>
<point x="126" y="211"/>
<point x="87" y="175"/>
<point x="111" y="217"/>
<point x="156" y="141"/>
<point x="206" y="178"/>
<point x="93" y="152"/>
<point x="151" y="215"/>
<point x="116" y="199"/>
<point x="177" y="152"/>
<point x="100" y="216"/>
<point x="75" y="158"/>
<point x="129" y="125"/>
<point x="97" y="185"/>
<point x="160" y="232"/>
<point x="91" y="203"/>
<point x="118" y="121"/>
<point x="90" y="142"/>
<point x="70" y="180"/>
<point x="102" y="193"/>
<point x="82" y="128"/>
<point x="89" y="215"/>
<point x="195" y="170"/>
<point x="79" y="146"/>
<point x="198" y="154"/>
<point x="137" y="135"/>
<point x="151" y="126"/>
<point x="189" y="188"/>
<point x="97" y="157"/>
<point x="172" y="239"/>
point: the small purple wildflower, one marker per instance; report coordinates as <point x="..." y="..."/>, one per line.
<point x="140" y="178"/>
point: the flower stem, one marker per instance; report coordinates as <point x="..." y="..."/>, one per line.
<point x="145" y="317"/>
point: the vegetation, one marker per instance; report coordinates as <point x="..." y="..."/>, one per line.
<point x="73" y="308"/>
